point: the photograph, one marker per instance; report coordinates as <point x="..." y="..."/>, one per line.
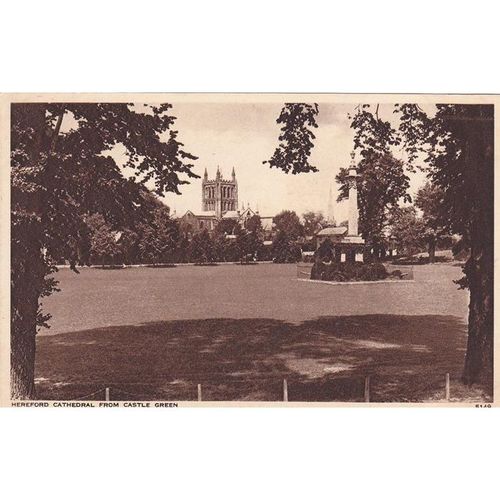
<point x="251" y="249"/>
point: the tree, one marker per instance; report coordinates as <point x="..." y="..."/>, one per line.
<point x="296" y="138"/>
<point x="183" y="248"/>
<point x="58" y="178"/>
<point x="255" y="236"/>
<point x="129" y="246"/>
<point x="430" y="200"/>
<point x="313" y="222"/>
<point x="219" y="244"/>
<point x="458" y="144"/>
<point x="232" y="252"/>
<point x="159" y="238"/>
<point x="201" y="248"/>
<point x="104" y="247"/>
<point x="285" y="249"/>
<point x="225" y="249"/>
<point x="226" y="226"/>
<point x="249" y="239"/>
<point x="253" y="224"/>
<point x="382" y="181"/>
<point x="382" y="184"/>
<point x="407" y="230"/>
<point x="289" y="223"/>
<point x="456" y="148"/>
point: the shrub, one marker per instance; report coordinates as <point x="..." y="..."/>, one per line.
<point x="348" y="271"/>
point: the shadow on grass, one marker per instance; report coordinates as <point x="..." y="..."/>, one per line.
<point x="420" y="261"/>
<point x="160" y="266"/>
<point x="325" y="359"/>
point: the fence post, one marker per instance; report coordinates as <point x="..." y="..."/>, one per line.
<point x="285" y="390"/>
<point x="107" y="394"/>
<point x="447" y="387"/>
<point x="199" y="392"/>
<point x="367" y="389"/>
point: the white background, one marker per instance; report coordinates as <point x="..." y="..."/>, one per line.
<point x="255" y="46"/>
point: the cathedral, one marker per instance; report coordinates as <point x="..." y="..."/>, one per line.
<point x="219" y="195"/>
<point x="219" y="201"/>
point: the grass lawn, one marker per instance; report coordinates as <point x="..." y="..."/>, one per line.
<point x="239" y="330"/>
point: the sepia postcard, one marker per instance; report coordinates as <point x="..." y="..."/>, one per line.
<point x="168" y="250"/>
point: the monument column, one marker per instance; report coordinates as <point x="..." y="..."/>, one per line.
<point x="353" y="199"/>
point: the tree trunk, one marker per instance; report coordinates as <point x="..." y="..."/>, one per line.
<point x="479" y="358"/>
<point x="432" y="251"/>
<point x="28" y="265"/>
<point x="22" y="361"/>
<point x="23" y="334"/>
<point x="479" y="268"/>
<point x="382" y="253"/>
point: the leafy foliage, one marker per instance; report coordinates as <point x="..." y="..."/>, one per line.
<point x="59" y="178"/>
<point x="159" y="238"/>
<point x="455" y="147"/>
<point x="313" y="222"/>
<point x="430" y="199"/>
<point x="253" y="224"/>
<point x="288" y="222"/>
<point x="458" y="142"/>
<point x="325" y="251"/>
<point x="407" y="230"/>
<point x="371" y="133"/>
<point x="382" y="180"/>
<point x="104" y="247"/>
<point x="296" y="138"/>
<point x="226" y="226"/>
<point x="348" y="271"/>
<point x="202" y="248"/>
<point x="382" y="184"/>
<point x="285" y="249"/>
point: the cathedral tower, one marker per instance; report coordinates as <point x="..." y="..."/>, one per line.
<point x="219" y="195"/>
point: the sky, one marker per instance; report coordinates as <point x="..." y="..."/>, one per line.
<point x="243" y="135"/>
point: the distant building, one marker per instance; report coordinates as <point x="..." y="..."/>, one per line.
<point x="219" y="201"/>
<point x="219" y="195"/>
<point x="334" y="234"/>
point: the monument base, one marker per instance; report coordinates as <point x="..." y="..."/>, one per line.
<point x="353" y="240"/>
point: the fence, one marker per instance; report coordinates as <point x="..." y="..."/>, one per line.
<point x="341" y="389"/>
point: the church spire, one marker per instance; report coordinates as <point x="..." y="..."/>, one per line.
<point x="233" y="175"/>
<point x="205" y="175"/>
<point x="217" y="175"/>
<point x="329" y="215"/>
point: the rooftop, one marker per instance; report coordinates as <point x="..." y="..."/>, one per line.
<point x="208" y="213"/>
<point x="333" y="231"/>
<point x="231" y="214"/>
